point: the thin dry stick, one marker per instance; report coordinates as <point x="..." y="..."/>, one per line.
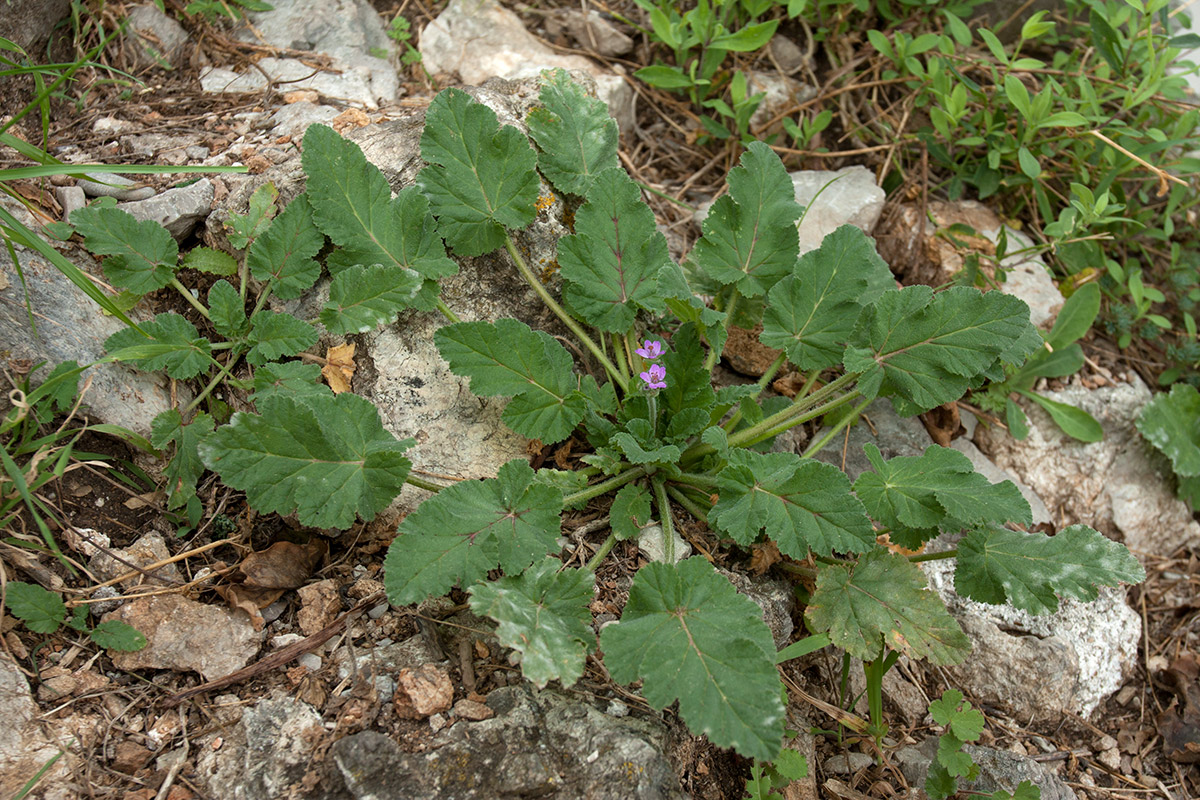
<point x="1163" y="175"/>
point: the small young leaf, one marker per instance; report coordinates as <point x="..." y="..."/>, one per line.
<point x="41" y="610"/>
<point x="141" y="254"/>
<point x="1075" y="422"/>
<point x="951" y="756"/>
<point x="691" y="637"/>
<point x="326" y="457"/>
<point x="506" y="357"/>
<point x="1171" y="422"/>
<point x="683" y="303"/>
<point x="930" y="348"/>
<point x="611" y="263"/>
<point x="185" y="466"/>
<point x="283" y="253"/>
<point x="800" y="503"/>
<point x="750" y="234"/>
<point x="939" y="783"/>
<point x="59" y="388"/>
<point x="361" y="298"/>
<point x="173" y="345"/>
<point x="883" y="601"/>
<point x="466" y="529"/>
<point x="812" y="312"/>
<point x="630" y="511"/>
<point x="117" y="635"/>
<point x="964" y="722"/>
<point x="291" y="378"/>
<point x="214" y="262"/>
<point x="544" y="616"/>
<point x="639" y="451"/>
<point x="1076" y="317"/>
<point x="227" y="310"/>
<point x="480" y="177"/>
<point x="1028" y="570"/>
<point x="274" y="335"/>
<point x="577" y="137"/>
<point x="245" y="227"/>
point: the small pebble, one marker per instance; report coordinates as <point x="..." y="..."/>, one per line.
<point x="100" y="609"/>
<point x="437" y="722"/>
<point x="284" y="639"/>
<point x="847" y="763"/>
<point x="378" y="611"/>
<point x="617" y="709"/>
<point x="310" y="661"/>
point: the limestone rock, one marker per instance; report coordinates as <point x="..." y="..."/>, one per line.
<point x="538" y="744"/>
<point x="1119" y="485"/>
<point x="853" y="198"/>
<point x="71" y="327"/>
<point x="185" y="635"/>
<point x="147" y="550"/>
<point x="1089" y="648"/>
<point x="160" y="39"/>
<point x="24" y="748"/>
<point x="178" y="210"/>
<point x="479" y="39"/>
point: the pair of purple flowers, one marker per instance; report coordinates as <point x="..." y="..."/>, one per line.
<point x="655" y="376"/>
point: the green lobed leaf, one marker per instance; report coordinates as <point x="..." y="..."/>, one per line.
<point x="937" y="490"/>
<point x="214" y="262"/>
<point x="40" y="609"/>
<point x="930" y="349"/>
<point x="274" y="335"/>
<point x="284" y="252"/>
<point x="227" y="310"/>
<point x="506" y="357"/>
<point x="456" y="536"/>
<point x="185" y="467"/>
<point x="951" y="711"/>
<point x="290" y="378"/>
<point x="811" y="313"/>
<point x="801" y="504"/>
<point x="1171" y="422"/>
<point x="883" y="602"/>
<point x="950" y="754"/>
<point x="361" y="298"/>
<point x="59" y="388"/>
<point x="245" y="227"/>
<point x="326" y="457"/>
<point x="481" y="177"/>
<point x="630" y="511"/>
<point x="142" y="255"/>
<point x="353" y="204"/>
<point x="611" y="263"/>
<point x="749" y="236"/>
<point x="689" y="384"/>
<point x="171" y="343"/>
<point x="689" y="636"/>
<point x="117" y="635"/>
<point x="1030" y="570"/>
<point x="576" y="136"/>
<point x="639" y="452"/>
<point x="544" y="616"/>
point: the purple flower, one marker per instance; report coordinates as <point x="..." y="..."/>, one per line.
<point x="655" y="377"/>
<point x="650" y="349"/>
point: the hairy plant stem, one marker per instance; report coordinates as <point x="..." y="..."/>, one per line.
<point x="736" y="416"/>
<point x="623" y="364"/>
<point x="604" y="486"/>
<point x="224" y="372"/>
<point x="446" y="312"/>
<point x="697" y="479"/>
<point x="940" y="556"/>
<point x="562" y="314"/>
<point x="605" y="548"/>
<point x="835" y="430"/>
<point x="421" y="483"/>
<point x="693" y="508"/>
<point x="713" y="355"/>
<point x="187" y="295"/>
<point x="664" y="515"/>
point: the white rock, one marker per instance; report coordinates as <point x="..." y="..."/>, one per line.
<point x="652" y="543"/>
<point x="850" y="196"/>
<point x="160" y="38"/>
<point x="1088" y="649"/>
<point x="781" y="93"/>
<point x="178" y="210"/>
<point x="1119" y="485"/>
<point x="24" y="748"/>
<point x="479" y="40"/>
<point x="219" y="80"/>
<point x="293" y="119"/>
<point x="1028" y="277"/>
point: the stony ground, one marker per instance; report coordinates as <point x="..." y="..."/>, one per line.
<point x="144" y="732"/>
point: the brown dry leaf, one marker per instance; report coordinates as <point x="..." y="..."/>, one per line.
<point x="1179" y="725"/>
<point x="250" y="600"/>
<point x="563" y="453"/>
<point x="942" y="423"/>
<point x="350" y="118"/>
<point x="283" y="565"/>
<point x="339" y="367"/>
<point x="763" y="556"/>
<point x="143" y="500"/>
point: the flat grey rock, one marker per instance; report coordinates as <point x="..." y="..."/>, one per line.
<point x="178" y="210"/>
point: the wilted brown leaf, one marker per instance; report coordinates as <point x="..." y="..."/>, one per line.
<point x="249" y="599"/>
<point x="339" y="367"/>
<point x="942" y="423"/>
<point x="283" y="565"/>
<point x="1179" y="725"/>
<point x="763" y="556"/>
